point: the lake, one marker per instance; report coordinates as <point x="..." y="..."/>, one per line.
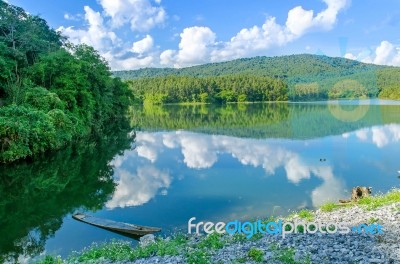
<point x="217" y="163"/>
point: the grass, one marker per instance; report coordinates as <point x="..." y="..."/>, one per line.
<point x="369" y="203"/>
<point x="303" y="214"/>
<point x="287" y="255"/>
<point x="373" y="220"/>
<point x="198" y="257"/>
<point x="306" y="215"/>
<point x="51" y="260"/>
<point x="117" y="251"/>
<point x="329" y="207"/>
<point x="123" y="251"/>
<point x="376" y="201"/>
<point x="256" y="254"/>
<point x="202" y="251"/>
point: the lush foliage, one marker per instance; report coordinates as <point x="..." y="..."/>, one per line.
<point x="389" y="83"/>
<point x="51" y="92"/>
<point x="301" y="67"/>
<point x="308" y="77"/>
<point x="222" y="89"/>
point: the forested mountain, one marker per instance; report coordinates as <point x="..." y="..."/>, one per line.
<point x="51" y="92"/>
<point x="302" y="66"/>
<point x="308" y="77"/>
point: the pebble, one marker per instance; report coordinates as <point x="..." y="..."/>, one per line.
<point x="322" y="248"/>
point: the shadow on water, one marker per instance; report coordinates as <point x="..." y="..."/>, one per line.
<point x="36" y="195"/>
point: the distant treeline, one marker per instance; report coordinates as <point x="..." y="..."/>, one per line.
<point x="218" y="89"/>
<point x="306" y="77"/>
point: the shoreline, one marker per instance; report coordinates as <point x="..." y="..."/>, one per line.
<point x="294" y="248"/>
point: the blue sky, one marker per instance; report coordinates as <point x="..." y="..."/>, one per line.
<point x="132" y="34"/>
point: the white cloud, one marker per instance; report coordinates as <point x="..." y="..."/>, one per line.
<point x="129" y="63"/>
<point x="96" y="34"/>
<point x="198" y="44"/>
<point x="331" y="190"/>
<point x="137" y="189"/>
<point x="140" y="14"/>
<point x="350" y="56"/>
<point x="167" y="57"/>
<point x="362" y="134"/>
<point x="385" y="54"/>
<point x="144" y="45"/>
<point x="147" y="146"/>
<point x="379" y="135"/>
<point x="299" y="20"/>
<point x="68" y="16"/>
<point x="201" y="151"/>
<point x="99" y="32"/>
<point x="195" y="47"/>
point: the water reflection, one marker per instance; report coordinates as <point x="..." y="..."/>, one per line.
<point x="279" y="120"/>
<point x="37" y="195"/>
<point x="378" y="135"/>
<point x="138" y="188"/>
<point x="137" y="185"/>
<point x="215" y="163"/>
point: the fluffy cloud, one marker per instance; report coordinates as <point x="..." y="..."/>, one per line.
<point x="194" y="48"/>
<point x="144" y="45"/>
<point x="331" y="190"/>
<point x="147" y="146"/>
<point x="299" y="20"/>
<point x="128" y="63"/>
<point x="137" y="189"/>
<point x="140" y="14"/>
<point x="100" y="32"/>
<point x="385" y="54"/>
<point x="202" y="151"/>
<point x="350" y="56"/>
<point x="96" y="34"/>
<point x="198" y="44"/>
<point x="380" y="136"/>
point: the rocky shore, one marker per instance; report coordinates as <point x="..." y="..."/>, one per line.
<point x="320" y="247"/>
<point x="315" y="248"/>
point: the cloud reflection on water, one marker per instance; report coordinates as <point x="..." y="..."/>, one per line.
<point x="201" y="152"/>
<point x="380" y="136"/>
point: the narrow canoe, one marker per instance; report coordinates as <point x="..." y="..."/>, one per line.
<point x="119" y="227"/>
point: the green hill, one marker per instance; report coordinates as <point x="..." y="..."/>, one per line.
<point x="308" y="77"/>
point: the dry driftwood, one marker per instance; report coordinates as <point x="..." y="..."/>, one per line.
<point x="357" y="193"/>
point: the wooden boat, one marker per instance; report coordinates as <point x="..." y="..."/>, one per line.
<point x="118" y="227"/>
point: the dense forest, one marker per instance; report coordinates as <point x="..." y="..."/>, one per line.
<point x="307" y="77"/>
<point x="51" y="92"/>
<point x="221" y="89"/>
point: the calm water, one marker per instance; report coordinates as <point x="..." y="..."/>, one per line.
<point x="214" y="163"/>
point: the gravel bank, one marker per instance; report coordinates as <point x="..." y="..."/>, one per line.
<point x="320" y="248"/>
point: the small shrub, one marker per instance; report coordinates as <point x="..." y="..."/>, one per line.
<point x="256" y="254"/>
